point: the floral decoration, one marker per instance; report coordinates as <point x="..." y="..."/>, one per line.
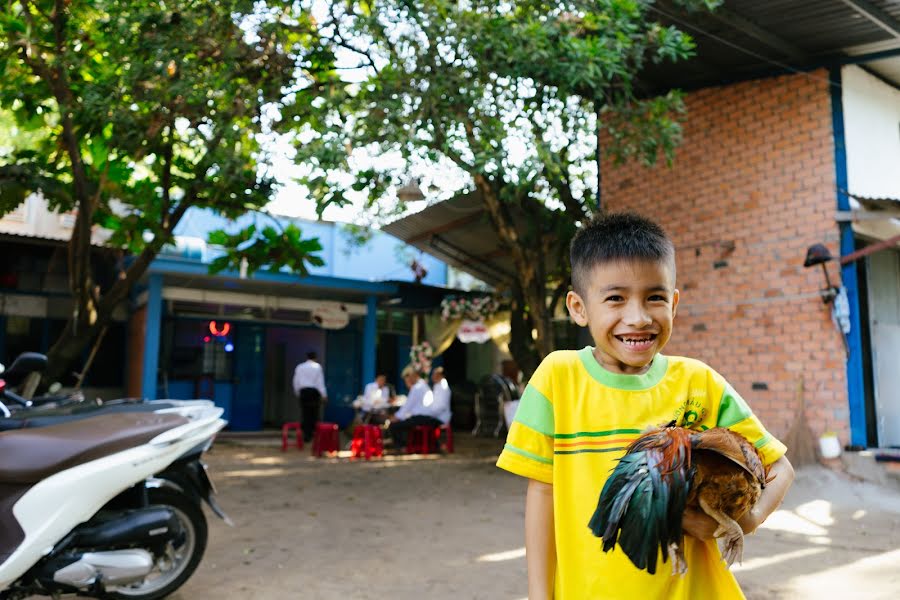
<point x="420" y="356"/>
<point x="463" y="307"/>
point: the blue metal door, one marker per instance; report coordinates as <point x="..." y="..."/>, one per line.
<point x="343" y="366"/>
<point x="249" y="373"/>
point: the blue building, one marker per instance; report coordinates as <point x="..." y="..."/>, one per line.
<point x="236" y="338"/>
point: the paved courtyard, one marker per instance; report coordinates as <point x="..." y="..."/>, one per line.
<point x="450" y="527"/>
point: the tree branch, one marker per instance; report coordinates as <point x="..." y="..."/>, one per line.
<point x="338" y="39"/>
<point x="167" y="156"/>
<point x="559" y="181"/>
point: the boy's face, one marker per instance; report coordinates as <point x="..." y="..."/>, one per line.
<point x="628" y="306"/>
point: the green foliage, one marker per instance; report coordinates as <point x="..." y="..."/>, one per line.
<point x="143" y="108"/>
<point x="504" y="97"/>
<point x="266" y="248"/>
<point x="458" y="85"/>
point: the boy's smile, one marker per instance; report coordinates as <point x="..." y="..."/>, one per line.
<point x="628" y="306"/>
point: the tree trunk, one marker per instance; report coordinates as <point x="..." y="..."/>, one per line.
<point x="69" y="347"/>
<point x="80" y="331"/>
<point x="521" y="344"/>
<point x="531" y="282"/>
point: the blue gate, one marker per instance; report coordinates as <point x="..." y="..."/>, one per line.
<point x="249" y="373"/>
<point x="343" y="366"/>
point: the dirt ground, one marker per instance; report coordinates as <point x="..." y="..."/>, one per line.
<point x="450" y="527"/>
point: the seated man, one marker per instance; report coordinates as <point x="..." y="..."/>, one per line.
<point x="376" y="400"/>
<point x="420" y="408"/>
<point x="441" y="390"/>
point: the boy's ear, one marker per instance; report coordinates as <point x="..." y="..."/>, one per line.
<point x="577" y="309"/>
<point x="675" y="298"/>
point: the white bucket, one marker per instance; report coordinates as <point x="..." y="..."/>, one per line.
<point x="830" y="445"/>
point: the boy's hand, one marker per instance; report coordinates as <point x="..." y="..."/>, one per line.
<point x="698" y="524"/>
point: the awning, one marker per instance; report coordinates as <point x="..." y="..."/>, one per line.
<point x="876" y="219"/>
<point x="458" y="231"/>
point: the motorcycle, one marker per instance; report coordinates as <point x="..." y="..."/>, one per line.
<point x="23" y="366"/>
<point x="106" y="506"/>
<point x="18" y="412"/>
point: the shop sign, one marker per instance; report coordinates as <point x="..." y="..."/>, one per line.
<point x="331" y="316"/>
<point x="473" y="331"/>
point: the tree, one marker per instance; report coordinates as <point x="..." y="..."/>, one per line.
<point x="141" y="110"/>
<point x="509" y="95"/>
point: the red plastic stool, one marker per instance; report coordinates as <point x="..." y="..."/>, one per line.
<point x="420" y="440"/>
<point x="285" y="431"/>
<point x="366" y="442"/>
<point x="325" y="439"/>
<point x="448" y="441"/>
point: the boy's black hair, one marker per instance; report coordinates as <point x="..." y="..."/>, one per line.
<point x="617" y="236"/>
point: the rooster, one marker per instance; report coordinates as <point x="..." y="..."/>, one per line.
<point x="666" y="470"/>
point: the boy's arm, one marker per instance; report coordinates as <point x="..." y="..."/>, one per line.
<point x="540" y="540"/>
<point x="700" y="525"/>
<point x="781" y="476"/>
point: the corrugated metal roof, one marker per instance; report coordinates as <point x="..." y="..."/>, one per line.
<point x="458" y="232"/>
<point x="746" y="37"/>
<point x="876" y="204"/>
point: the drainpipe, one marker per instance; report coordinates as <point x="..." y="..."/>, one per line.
<point x="855" y="382"/>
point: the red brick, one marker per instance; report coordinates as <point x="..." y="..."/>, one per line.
<point x="768" y="185"/>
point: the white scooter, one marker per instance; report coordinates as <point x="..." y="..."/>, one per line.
<point x="107" y="506"/>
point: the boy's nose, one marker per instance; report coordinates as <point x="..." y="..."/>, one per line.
<point x="636" y="316"/>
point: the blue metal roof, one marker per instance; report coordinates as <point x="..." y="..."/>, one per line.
<point x="382" y="258"/>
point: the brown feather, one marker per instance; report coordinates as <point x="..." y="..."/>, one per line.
<point x="734" y="447"/>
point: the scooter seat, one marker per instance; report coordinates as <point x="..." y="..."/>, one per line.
<point x="41" y="417"/>
<point x="30" y="455"/>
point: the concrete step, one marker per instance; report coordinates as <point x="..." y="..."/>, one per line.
<point x="877" y="465"/>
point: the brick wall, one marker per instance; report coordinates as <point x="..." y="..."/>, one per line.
<point x="756" y="168"/>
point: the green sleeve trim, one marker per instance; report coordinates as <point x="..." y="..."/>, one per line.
<point x="526" y="454"/>
<point x="763" y="440"/>
<point x="536" y="412"/>
<point x="732" y="408"/>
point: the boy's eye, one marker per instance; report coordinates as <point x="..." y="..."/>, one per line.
<point x="657" y="298"/>
<point x="614" y="298"/>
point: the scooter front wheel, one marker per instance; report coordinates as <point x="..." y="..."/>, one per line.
<point x="180" y="561"/>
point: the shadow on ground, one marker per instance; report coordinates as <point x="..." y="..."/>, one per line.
<point x="450" y="526"/>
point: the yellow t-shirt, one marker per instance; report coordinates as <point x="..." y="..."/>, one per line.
<point x="575" y="420"/>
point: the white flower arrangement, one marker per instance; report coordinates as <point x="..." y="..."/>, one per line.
<point x="420" y="356"/>
<point x="462" y="307"/>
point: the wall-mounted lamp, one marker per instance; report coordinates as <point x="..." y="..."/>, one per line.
<point x="818" y="254"/>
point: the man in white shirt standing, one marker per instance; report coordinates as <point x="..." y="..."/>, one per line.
<point x="421" y="407"/>
<point x="309" y="387"/>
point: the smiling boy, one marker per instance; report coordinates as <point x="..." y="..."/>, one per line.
<point x="581" y="409"/>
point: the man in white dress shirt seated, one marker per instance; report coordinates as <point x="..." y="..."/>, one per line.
<point x="422" y="406"/>
<point x="376" y="399"/>
<point x="441" y="390"/>
<point x="309" y="387"/>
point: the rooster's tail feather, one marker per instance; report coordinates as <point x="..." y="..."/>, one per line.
<point x="640" y="508"/>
